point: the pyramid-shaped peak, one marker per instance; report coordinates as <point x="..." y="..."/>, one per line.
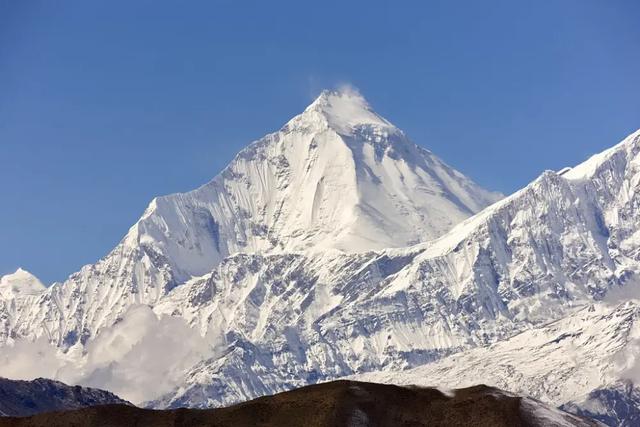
<point x="345" y="109"/>
<point x="21" y="272"/>
<point x="21" y="282"/>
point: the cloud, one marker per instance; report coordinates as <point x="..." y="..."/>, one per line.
<point x="349" y="89"/>
<point x="140" y="358"/>
<point x="316" y="84"/>
<point x="30" y="359"/>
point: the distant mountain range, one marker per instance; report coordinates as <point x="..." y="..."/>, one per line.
<point x="337" y="247"/>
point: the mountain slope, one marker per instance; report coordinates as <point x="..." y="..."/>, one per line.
<point x="340" y="403"/>
<point x="590" y="349"/>
<point x="337" y="176"/>
<point x="560" y="244"/>
<point x="617" y="405"/>
<point x="24" y="398"/>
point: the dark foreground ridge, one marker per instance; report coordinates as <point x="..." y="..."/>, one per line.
<point x="338" y="403"/>
<point x="23" y="398"/>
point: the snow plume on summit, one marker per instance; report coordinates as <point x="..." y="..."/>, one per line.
<point x="344" y="109"/>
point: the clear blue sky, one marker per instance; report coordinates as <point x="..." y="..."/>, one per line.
<point x="106" y="104"/>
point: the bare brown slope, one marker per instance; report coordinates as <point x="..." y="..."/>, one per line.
<point x="339" y="403"/>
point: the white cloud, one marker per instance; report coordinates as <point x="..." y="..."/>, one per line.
<point x="139" y="358"/>
<point x="349" y="89"/>
<point x="30" y="359"/>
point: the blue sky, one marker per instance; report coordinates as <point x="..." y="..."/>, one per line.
<point x="104" y="105"/>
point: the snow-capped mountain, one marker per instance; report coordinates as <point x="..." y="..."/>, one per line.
<point x="561" y="243"/>
<point x="20" y="284"/>
<point x="337" y="176"/>
<point x="17" y="292"/>
<point x="291" y="262"/>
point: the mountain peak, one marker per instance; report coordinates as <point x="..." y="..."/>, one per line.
<point x="344" y="109"/>
<point x="344" y="94"/>
<point x="630" y="145"/>
<point x="20" y="283"/>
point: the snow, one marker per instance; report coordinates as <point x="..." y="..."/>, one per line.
<point x="20" y="283"/>
<point x="337" y="176"/>
<point x="337" y="247"/>
<point x="336" y="180"/>
<point x="616" y="404"/>
<point x="554" y="363"/>
<point x="590" y="167"/>
<point x="535" y="257"/>
<point x="312" y="186"/>
<point x="548" y="416"/>
<point x="345" y="109"/>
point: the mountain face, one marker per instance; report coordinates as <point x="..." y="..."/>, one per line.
<point x="559" y="363"/>
<point x="25" y="398"/>
<point x="616" y="405"/>
<point x="339" y="403"/>
<point x="17" y="290"/>
<point x="336" y="177"/>
<point x="291" y="265"/>
<point x="563" y="243"/>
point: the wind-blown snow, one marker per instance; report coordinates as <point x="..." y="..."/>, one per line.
<point x="346" y="110"/>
